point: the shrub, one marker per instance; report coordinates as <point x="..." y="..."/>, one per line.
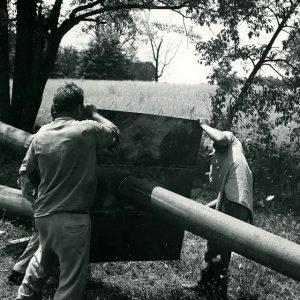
<point x="275" y="165"/>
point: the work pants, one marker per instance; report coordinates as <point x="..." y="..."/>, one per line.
<point x="215" y="275"/>
<point x="28" y="191"/>
<point x="64" y="237"/>
<point x="23" y="261"/>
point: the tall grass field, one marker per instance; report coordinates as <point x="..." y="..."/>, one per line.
<point x="176" y="100"/>
<point x="159" y="279"/>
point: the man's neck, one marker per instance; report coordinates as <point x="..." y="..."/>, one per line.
<point x="67" y="115"/>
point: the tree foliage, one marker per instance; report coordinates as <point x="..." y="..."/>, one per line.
<point x="164" y="41"/>
<point x="66" y="63"/>
<point x="239" y="27"/>
<point x="40" y="27"/>
<point x="104" y="58"/>
<point x="162" y="51"/>
<point x="110" y="54"/>
<point x="275" y="165"/>
<point x="268" y="18"/>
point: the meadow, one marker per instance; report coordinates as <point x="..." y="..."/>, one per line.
<point x="176" y="100"/>
<point x="161" y="279"/>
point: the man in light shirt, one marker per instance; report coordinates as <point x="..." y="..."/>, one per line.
<point x="232" y="180"/>
<point x="29" y="192"/>
<point x="62" y="164"/>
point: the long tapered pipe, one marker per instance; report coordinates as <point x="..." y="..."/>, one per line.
<point x="13" y="203"/>
<point x="247" y="240"/>
<point x="13" y="138"/>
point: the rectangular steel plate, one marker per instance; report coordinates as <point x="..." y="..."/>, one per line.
<point x="162" y="149"/>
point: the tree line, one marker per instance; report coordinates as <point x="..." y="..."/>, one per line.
<point x="103" y="59"/>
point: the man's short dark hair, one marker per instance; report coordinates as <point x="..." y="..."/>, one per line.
<point x="67" y="98"/>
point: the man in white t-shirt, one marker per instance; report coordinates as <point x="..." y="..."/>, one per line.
<point x="232" y="180"/>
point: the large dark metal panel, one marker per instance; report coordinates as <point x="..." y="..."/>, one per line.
<point x="162" y="149"/>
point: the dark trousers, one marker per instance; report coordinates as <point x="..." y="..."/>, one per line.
<point x="237" y="211"/>
<point x="215" y="275"/>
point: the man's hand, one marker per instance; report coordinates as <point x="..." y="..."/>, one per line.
<point x="89" y="110"/>
<point x="212" y="204"/>
<point x="203" y="121"/>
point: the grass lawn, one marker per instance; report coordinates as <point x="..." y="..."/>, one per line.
<point x="162" y="279"/>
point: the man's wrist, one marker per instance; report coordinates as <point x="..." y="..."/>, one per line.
<point x="95" y="115"/>
<point x="203" y="121"/>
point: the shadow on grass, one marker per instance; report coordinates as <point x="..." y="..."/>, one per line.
<point x="121" y="290"/>
<point x="248" y="297"/>
<point x="97" y="289"/>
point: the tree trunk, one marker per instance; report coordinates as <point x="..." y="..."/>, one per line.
<point x="4" y="63"/>
<point x="38" y="59"/>
<point x="42" y="67"/>
<point x="22" y="80"/>
<point x="38" y="79"/>
<point x="30" y="110"/>
<point x="156" y="75"/>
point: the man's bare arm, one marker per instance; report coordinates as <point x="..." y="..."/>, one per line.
<point x="216" y="135"/>
<point x="110" y="133"/>
<point x="92" y="113"/>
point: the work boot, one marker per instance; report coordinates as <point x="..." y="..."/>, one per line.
<point x="203" y="286"/>
<point x="213" y="282"/>
<point x="15" y="277"/>
<point x="219" y="280"/>
<point x="222" y="288"/>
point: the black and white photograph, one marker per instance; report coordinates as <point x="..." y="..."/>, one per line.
<point x="149" y="150"/>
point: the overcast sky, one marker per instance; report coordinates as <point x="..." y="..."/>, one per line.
<point x="184" y="68"/>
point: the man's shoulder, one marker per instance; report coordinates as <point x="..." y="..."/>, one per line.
<point x="67" y="123"/>
<point x="236" y="142"/>
<point x="71" y="125"/>
<point x="41" y="133"/>
<point x="44" y="128"/>
<point x="232" y="139"/>
<point x="87" y="125"/>
<point x="91" y="125"/>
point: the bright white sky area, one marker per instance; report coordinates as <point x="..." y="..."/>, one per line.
<point x="185" y="67"/>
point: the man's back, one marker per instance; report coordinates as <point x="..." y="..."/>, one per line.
<point x="62" y="164"/>
<point x="65" y="157"/>
<point x="231" y="173"/>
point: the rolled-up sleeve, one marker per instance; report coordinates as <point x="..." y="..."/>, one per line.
<point x="228" y="136"/>
<point x="106" y="134"/>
